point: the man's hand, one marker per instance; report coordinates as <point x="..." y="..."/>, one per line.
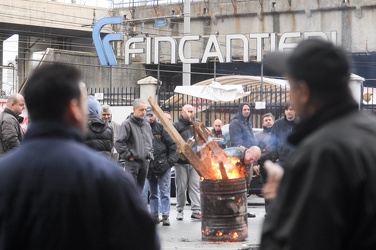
<point x="256" y="169"/>
<point x="275" y="173"/>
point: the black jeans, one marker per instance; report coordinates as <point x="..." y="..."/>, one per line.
<point x="138" y="170"/>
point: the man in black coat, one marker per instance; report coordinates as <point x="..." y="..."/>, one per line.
<point x="186" y="177"/>
<point x="241" y="134"/>
<point x="279" y="148"/>
<point x="100" y="134"/>
<point x="159" y="174"/>
<point x="325" y="194"/>
<point x="56" y="193"/>
<point x="11" y="133"/>
<point x="216" y="132"/>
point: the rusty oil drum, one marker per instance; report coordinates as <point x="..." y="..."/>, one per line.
<point x="224" y="210"/>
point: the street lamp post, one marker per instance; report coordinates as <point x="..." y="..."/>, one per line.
<point x="216" y="33"/>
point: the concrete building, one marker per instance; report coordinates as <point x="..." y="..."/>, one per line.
<point x="233" y="36"/>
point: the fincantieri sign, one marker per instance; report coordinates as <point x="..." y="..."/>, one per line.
<point x="148" y="45"/>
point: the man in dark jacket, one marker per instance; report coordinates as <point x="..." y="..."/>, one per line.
<point x="135" y="143"/>
<point x="280" y="148"/>
<point x="263" y="137"/>
<point x="160" y="170"/>
<point x="107" y="116"/>
<point x="241" y="133"/>
<point x="326" y="197"/>
<point x="11" y="133"/>
<point x="100" y="134"/>
<point x="263" y="141"/>
<point x="186" y="177"/>
<point x="56" y="193"/>
<point x="216" y="132"/>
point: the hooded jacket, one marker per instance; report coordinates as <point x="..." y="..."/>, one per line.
<point x="100" y="134"/>
<point x="241" y="133"/>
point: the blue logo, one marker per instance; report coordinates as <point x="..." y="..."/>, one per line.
<point x="103" y="47"/>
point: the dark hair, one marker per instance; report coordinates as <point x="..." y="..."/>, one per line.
<point x="287" y="106"/>
<point x="323" y="66"/>
<point x="49" y="90"/>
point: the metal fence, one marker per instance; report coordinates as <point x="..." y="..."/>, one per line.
<point x="115" y="96"/>
<point x="368" y="97"/>
<point x="207" y="111"/>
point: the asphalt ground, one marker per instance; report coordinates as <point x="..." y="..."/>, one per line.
<point x="186" y="234"/>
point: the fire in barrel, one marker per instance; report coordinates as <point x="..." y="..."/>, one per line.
<point x="224" y="204"/>
<point x="223" y="185"/>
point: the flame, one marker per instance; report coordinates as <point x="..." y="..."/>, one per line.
<point x="239" y="201"/>
<point x="233" y="167"/>
<point x="206" y="231"/>
<point x="234" y="235"/>
<point x="219" y="233"/>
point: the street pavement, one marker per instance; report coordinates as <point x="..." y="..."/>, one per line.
<point x="186" y="234"/>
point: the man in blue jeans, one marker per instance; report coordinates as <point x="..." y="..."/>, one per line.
<point x="159" y="174"/>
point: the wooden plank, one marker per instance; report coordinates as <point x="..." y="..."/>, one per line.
<point x="167" y="124"/>
<point x="202" y="165"/>
<point x="223" y="171"/>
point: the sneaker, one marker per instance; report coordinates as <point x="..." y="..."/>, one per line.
<point x="165" y="220"/>
<point x="196" y="216"/>
<point x="180" y="215"/>
<point x="251" y="215"/>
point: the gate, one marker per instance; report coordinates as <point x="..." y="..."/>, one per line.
<point x="208" y="111"/>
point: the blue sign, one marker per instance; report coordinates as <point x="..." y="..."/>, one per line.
<point x="103" y="47"/>
<point x="160" y="23"/>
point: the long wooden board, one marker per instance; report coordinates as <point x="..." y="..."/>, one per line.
<point x="201" y="164"/>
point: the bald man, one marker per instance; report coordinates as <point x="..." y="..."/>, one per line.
<point x="11" y="133"/>
<point x="248" y="156"/>
<point x="186" y="177"/>
<point x="216" y="132"/>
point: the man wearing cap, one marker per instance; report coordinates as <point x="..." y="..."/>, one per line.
<point x="135" y="143"/>
<point x="325" y="195"/>
<point x="159" y="174"/>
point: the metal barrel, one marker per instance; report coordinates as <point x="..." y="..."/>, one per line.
<point x="224" y="210"/>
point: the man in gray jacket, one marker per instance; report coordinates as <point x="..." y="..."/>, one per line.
<point x="11" y="133"/>
<point x="135" y="143"/>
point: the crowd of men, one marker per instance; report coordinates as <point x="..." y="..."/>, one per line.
<point x="317" y="163"/>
